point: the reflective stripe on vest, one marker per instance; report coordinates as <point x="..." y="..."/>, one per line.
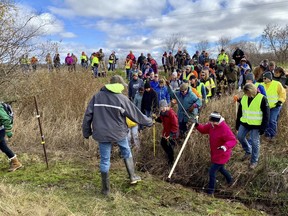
<point x="252" y="114"/>
<point x="272" y="94"/>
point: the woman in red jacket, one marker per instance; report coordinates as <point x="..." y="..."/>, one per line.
<point x="170" y="129"/>
<point x="222" y="140"/>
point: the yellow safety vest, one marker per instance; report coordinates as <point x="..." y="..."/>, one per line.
<point x="95" y="60"/>
<point x="272" y="94"/>
<point x="128" y="64"/>
<point x="199" y="89"/>
<point x="185" y="77"/>
<point x="83" y="57"/>
<point x="252" y="114"/>
<point x="210" y="86"/>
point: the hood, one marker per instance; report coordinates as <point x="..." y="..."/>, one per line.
<point x="115" y="88"/>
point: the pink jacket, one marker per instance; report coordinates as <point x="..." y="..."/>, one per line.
<point x="219" y="135"/>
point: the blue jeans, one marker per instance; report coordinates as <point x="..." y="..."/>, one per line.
<point x="95" y="70"/>
<point x="148" y="113"/>
<point x="3" y="146"/>
<point x="128" y="74"/>
<point x="212" y="176"/>
<point x="105" y="153"/>
<point x="272" y="126"/>
<point x="253" y="145"/>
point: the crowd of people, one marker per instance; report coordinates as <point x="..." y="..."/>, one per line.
<point x="191" y="83"/>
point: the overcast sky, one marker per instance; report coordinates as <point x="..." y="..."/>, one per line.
<point x="141" y="26"/>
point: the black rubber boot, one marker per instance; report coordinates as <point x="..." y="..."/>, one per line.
<point x="131" y="170"/>
<point x="105" y="183"/>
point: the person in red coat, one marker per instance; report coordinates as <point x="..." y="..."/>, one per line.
<point x="170" y="129"/>
<point x="222" y="140"/>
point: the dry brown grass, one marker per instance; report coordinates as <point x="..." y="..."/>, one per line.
<point x="62" y="99"/>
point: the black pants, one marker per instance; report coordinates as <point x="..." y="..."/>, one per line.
<point x="168" y="146"/>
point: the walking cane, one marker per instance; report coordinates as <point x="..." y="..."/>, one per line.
<point x="41" y="132"/>
<point x="181" y="151"/>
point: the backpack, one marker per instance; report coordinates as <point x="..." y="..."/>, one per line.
<point x="8" y="109"/>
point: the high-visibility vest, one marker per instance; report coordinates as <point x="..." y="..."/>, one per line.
<point x="199" y="88"/>
<point x="252" y="114"/>
<point x="128" y="64"/>
<point x="210" y="84"/>
<point x="95" y="60"/>
<point x="271" y="93"/>
<point x="185" y="76"/>
<point x="84" y="57"/>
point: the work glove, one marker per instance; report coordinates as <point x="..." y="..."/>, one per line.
<point x="278" y="104"/>
<point x="222" y="148"/>
<point x="9" y="134"/>
<point x="236" y="98"/>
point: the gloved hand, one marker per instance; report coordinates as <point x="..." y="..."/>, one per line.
<point x="9" y="134"/>
<point x="167" y="83"/>
<point x="278" y="104"/>
<point x="222" y="148"/>
<point x="235" y="98"/>
<point x="261" y="131"/>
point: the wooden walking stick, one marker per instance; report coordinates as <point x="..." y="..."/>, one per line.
<point x="41" y="132"/>
<point x="181" y="151"/>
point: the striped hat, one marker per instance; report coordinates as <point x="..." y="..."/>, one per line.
<point x="215" y="117"/>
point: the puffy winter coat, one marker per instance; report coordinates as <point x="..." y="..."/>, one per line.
<point x="219" y="135"/>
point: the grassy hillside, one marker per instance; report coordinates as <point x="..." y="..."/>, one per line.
<point x="72" y="187"/>
<point x="73" y="183"/>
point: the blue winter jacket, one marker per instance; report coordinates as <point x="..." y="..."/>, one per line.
<point x="187" y="101"/>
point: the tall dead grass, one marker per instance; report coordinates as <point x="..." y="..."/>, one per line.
<point x="63" y="97"/>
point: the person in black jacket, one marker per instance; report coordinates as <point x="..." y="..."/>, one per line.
<point x="238" y="55"/>
<point x="252" y="117"/>
<point x="149" y="103"/>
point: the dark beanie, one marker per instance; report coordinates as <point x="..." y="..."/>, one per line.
<point x="249" y="76"/>
<point x="268" y="75"/>
<point x="147" y="85"/>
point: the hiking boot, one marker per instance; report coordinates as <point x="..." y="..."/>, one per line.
<point x="252" y="166"/>
<point x="14" y="164"/>
<point x="131" y="170"/>
<point x="246" y="157"/>
<point x="105" y="183"/>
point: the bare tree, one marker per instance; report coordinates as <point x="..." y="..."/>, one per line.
<point x="48" y="46"/>
<point x="173" y="42"/>
<point x="16" y="35"/>
<point x="275" y="38"/>
<point x="223" y="43"/>
<point x="202" y="45"/>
